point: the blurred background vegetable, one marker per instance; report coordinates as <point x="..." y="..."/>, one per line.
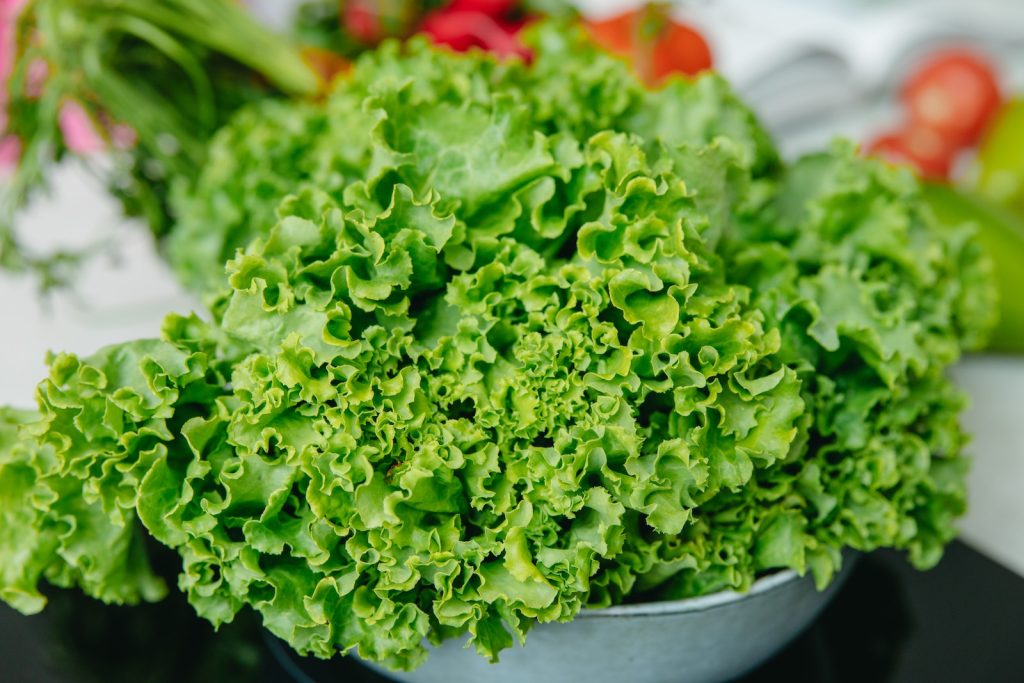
<point x="948" y="100"/>
<point x="84" y="72"/>
<point x="654" y="43"/>
<point x="961" y="136"/>
<point x="1000" y="163"/>
<point x="1001" y="233"/>
<point x="954" y="93"/>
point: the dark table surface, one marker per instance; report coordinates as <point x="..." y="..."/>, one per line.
<point x="962" y="621"/>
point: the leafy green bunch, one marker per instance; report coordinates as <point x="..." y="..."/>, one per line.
<point x="496" y="342"/>
<point x="164" y="74"/>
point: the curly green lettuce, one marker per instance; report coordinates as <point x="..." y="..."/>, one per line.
<point x="498" y="342"/>
<point x="278" y="148"/>
<point x="52" y="528"/>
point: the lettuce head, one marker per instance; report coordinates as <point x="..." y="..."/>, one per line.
<point x="496" y="342"/>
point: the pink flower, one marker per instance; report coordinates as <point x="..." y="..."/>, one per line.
<point x="77" y="127"/>
<point x="35" y="79"/>
<point x="123" y="136"/>
<point x="10" y="152"/>
<point x="10" y="146"/>
<point x="83" y="133"/>
<point x="9" y="10"/>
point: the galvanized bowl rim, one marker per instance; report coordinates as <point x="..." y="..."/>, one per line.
<point x="698" y="604"/>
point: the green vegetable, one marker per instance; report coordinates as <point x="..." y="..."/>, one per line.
<point x="1000" y="163"/>
<point x="505" y="341"/>
<point x="1001" y="234"/>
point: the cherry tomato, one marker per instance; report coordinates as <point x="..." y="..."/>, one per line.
<point x="493" y="8"/>
<point x="680" y="49"/>
<point x="462" y="30"/>
<point x="954" y="93"/>
<point x="656" y="45"/>
<point x="924" y="150"/>
<point x="615" y="34"/>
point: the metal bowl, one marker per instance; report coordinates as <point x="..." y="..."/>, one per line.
<point x="699" y="640"/>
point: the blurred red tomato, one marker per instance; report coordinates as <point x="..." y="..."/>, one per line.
<point x="680" y="49"/>
<point x="615" y="34"/>
<point x="954" y="93"/>
<point x="494" y="8"/>
<point x="654" y="44"/>
<point x="462" y="30"/>
<point x="360" y="19"/>
<point x="924" y="150"/>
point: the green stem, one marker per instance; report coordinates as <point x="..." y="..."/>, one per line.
<point x="248" y="42"/>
